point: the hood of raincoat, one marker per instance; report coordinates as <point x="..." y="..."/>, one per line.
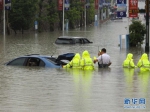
<point x="144" y="56"/>
<point x="129" y="56"/>
<point x="77" y="56"/>
<point x="85" y="54"/>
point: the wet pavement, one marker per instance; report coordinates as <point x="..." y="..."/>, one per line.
<point x="36" y="89"/>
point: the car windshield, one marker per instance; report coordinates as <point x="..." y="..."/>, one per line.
<point x="56" y="61"/>
<point x="52" y="60"/>
<point x="63" y="41"/>
<point x="86" y="41"/>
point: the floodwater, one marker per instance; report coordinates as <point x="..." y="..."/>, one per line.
<point x="24" y="89"/>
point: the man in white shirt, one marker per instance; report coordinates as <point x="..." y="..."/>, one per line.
<point x="103" y="59"/>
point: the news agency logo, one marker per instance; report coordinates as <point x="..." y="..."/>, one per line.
<point x="134" y="103"/>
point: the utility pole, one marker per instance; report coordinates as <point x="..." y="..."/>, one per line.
<point x="128" y="17"/>
<point x="147" y="26"/>
<point x="85" y="15"/>
<point x="63" y="14"/>
<point x="4" y="17"/>
<point x="98" y="14"/>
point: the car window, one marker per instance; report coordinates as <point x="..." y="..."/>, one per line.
<point x="17" y="62"/>
<point x="80" y="41"/>
<point x="35" y="62"/>
<point x="64" y="41"/>
<point x="52" y="60"/>
<point x="86" y="41"/>
<point x="41" y="63"/>
<point x="77" y="40"/>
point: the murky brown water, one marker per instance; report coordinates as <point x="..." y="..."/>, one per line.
<point x="25" y="89"/>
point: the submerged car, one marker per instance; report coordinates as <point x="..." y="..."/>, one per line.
<point x="41" y="60"/>
<point x="72" y="40"/>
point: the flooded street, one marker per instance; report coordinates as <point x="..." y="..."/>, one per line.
<point x="24" y="89"/>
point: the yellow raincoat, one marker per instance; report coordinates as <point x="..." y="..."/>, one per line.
<point x="128" y="62"/>
<point x="86" y="61"/>
<point x="74" y="63"/>
<point x="144" y="63"/>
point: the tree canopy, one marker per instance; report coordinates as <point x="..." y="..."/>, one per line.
<point x="136" y="32"/>
<point x="23" y="13"/>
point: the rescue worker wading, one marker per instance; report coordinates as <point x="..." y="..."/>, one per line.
<point x="103" y="59"/>
<point x="128" y="62"/>
<point x="86" y="61"/>
<point x="74" y="63"/>
<point x="144" y="63"/>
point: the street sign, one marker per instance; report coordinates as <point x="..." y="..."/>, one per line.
<point x="60" y="5"/>
<point x="87" y="5"/>
<point x="101" y="3"/>
<point x="7" y="7"/>
<point x="67" y="5"/>
<point x="133" y="5"/>
<point x="7" y="4"/>
<point x="7" y="1"/>
<point x="96" y="4"/>
<point x="121" y="8"/>
<point x="121" y="1"/>
<point x="1" y="4"/>
<point x="134" y="11"/>
<point x="121" y="14"/>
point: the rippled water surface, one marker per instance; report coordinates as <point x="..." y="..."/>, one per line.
<point x="24" y="89"/>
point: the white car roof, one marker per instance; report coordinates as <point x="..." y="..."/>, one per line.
<point x="69" y="37"/>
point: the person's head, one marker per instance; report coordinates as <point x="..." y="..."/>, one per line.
<point x="103" y="50"/>
<point x="144" y="56"/>
<point x="77" y="56"/>
<point x="85" y="54"/>
<point x="129" y="56"/>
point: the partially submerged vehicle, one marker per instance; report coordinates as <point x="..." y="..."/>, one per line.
<point x="72" y="40"/>
<point x="41" y="60"/>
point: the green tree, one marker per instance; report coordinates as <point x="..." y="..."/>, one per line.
<point x="74" y="14"/>
<point x="90" y="12"/>
<point x="1" y="20"/>
<point x="47" y="15"/>
<point x="52" y="14"/>
<point x="136" y="32"/>
<point x="39" y="14"/>
<point x="22" y="14"/>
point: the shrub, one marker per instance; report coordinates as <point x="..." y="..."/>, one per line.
<point x="136" y="32"/>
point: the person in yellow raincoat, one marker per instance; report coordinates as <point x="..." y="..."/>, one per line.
<point x="128" y="62"/>
<point x="74" y="63"/>
<point x="144" y="63"/>
<point x="86" y="61"/>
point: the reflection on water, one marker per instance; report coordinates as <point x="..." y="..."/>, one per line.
<point x="129" y="77"/>
<point x="143" y="78"/>
<point x="36" y="89"/>
<point x="82" y="85"/>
